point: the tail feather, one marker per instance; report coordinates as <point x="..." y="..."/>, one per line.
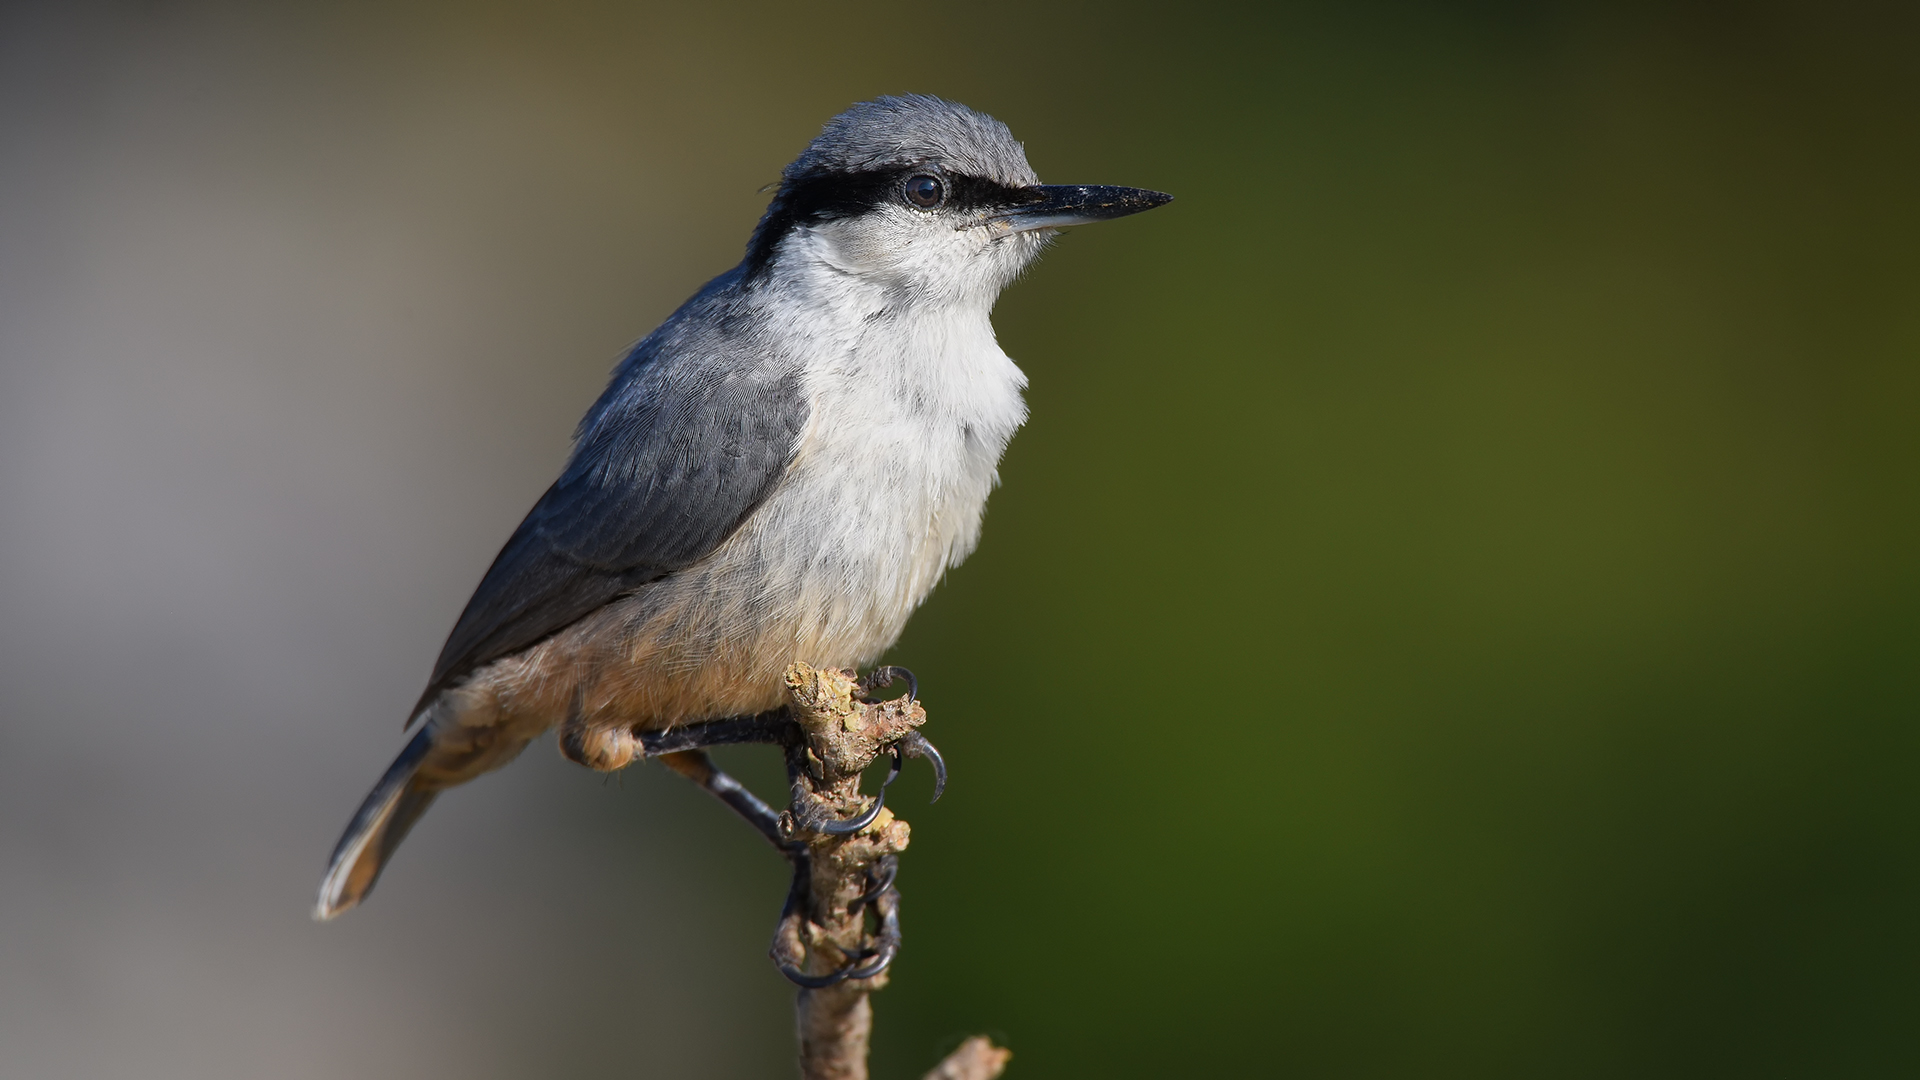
<point x="383" y="820"/>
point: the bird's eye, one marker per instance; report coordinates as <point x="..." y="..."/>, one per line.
<point x="926" y="192"/>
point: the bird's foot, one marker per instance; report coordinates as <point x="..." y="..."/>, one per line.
<point x="843" y="845"/>
<point x="811" y="813"/>
<point x="879" y="880"/>
<point x="914" y="744"/>
<point x="876" y="948"/>
<point x="883" y="677"/>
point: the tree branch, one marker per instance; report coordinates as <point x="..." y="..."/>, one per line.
<point x="975" y="1059"/>
<point x="825" y="927"/>
<point x="841" y="925"/>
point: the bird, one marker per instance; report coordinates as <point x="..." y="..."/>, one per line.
<point x="782" y="471"/>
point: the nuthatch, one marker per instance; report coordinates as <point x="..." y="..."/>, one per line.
<point x="782" y="471"/>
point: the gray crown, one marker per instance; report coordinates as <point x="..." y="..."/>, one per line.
<point x="892" y="132"/>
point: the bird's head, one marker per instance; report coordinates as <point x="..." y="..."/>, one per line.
<point x="924" y="198"/>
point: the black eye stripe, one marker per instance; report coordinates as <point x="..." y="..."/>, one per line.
<point x="830" y="196"/>
<point x="826" y="196"/>
<point x="973" y="193"/>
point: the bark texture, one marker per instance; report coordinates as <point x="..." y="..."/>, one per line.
<point x="843" y="912"/>
<point x="850" y="876"/>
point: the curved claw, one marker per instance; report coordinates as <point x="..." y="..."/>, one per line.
<point x="889" y="868"/>
<point x="835" y="827"/>
<point x="854" y="825"/>
<point x="786" y="947"/>
<point x="787" y="951"/>
<point x="884" y="676"/>
<point x="853" y="969"/>
<point x="887" y="939"/>
<point x="916" y="745"/>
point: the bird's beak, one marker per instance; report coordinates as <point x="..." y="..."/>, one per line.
<point x="1055" y="206"/>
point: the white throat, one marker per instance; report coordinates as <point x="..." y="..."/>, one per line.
<point x="896" y="342"/>
<point x="912" y="403"/>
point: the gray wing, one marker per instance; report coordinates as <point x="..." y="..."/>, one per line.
<point x="695" y="430"/>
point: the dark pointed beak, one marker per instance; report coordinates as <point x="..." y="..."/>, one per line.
<point x="1055" y="206"/>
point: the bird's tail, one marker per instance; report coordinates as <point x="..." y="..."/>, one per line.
<point x="382" y="821"/>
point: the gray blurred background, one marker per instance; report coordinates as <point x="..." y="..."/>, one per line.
<point x="1453" y="612"/>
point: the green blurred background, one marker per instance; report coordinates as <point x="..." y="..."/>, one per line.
<point x="1453" y="610"/>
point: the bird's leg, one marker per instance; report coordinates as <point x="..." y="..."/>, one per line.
<point x="774" y="726"/>
<point x="696" y="766"/>
<point x="844" y="847"/>
<point x="778" y="727"/>
<point x="612" y="748"/>
<point x="683" y="750"/>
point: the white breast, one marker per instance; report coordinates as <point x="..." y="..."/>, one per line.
<point x="912" y="407"/>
